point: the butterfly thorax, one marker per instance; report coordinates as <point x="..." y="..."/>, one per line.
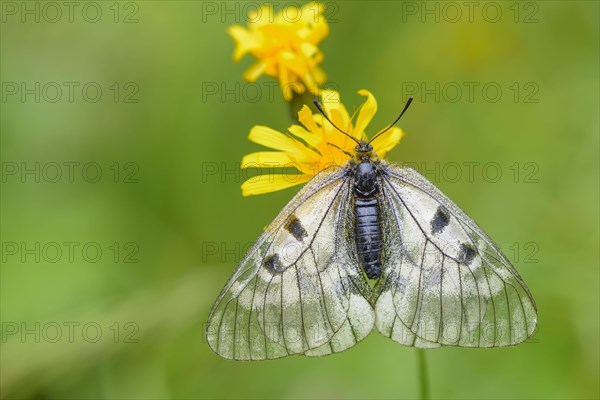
<point x="364" y="167"/>
<point x="365" y="179"/>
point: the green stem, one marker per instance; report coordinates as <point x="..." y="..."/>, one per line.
<point x="423" y="379"/>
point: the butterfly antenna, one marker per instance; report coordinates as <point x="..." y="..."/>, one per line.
<point x="410" y="99"/>
<point x="318" y="105"/>
<point x="340" y="149"/>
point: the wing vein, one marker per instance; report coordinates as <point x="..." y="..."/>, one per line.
<point x="493" y="303"/>
<point x="462" y="304"/>
<point x="250" y="318"/>
<point x="237" y="302"/>
<point x="301" y="306"/>
<point x="441" y="325"/>
<point x="322" y="294"/>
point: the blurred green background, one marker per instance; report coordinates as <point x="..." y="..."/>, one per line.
<point x="155" y="187"/>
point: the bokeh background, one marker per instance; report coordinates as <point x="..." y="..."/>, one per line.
<point x="155" y="186"/>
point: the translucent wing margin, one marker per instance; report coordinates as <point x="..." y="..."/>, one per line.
<point x="300" y="289"/>
<point x="444" y="282"/>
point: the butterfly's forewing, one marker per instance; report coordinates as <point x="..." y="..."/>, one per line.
<point x="444" y="280"/>
<point x="300" y="289"/>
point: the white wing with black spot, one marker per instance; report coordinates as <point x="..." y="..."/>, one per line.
<point x="444" y="281"/>
<point x="300" y="289"/>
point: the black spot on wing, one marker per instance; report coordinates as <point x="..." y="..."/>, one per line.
<point x="440" y="220"/>
<point x="295" y="228"/>
<point x="273" y="264"/>
<point x="467" y="253"/>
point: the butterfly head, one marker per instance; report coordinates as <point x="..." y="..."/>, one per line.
<point x="363" y="147"/>
<point x="364" y="152"/>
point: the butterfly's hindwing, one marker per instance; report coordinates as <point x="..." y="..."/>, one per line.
<point x="300" y="289"/>
<point x="444" y="280"/>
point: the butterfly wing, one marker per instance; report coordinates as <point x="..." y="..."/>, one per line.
<point x="444" y="280"/>
<point x="300" y="289"/>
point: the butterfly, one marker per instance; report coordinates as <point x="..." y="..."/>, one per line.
<point x="364" y="245"/>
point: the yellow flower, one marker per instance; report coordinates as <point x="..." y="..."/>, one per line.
<point x="314" y="145"/>
<point x="285" y="46"/>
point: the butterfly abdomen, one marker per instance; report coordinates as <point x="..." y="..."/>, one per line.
<point x="368" y="232"/>
<point x="368" y="236"/>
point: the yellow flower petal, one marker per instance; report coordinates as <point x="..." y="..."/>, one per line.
<point x="315" y="78"/>
<point x="309" y="50"/>
<point x="305" y="116"/>
<point x="312" y="10"/>
<point x="312" y="16"/>
<point x="262" y="16"/>
<point x="330" y="99"/>
<point x="366" y="113"/>
<point x="255" y="71"/>
<point x="271" y="183"/>
<point x="387" y="141"/>
<point x="244" y="40"/>
<point x="288" y="85"/>
<point x="266" y="159"/>
<point x="312" y="139"/>
<point x="275" y="140"/>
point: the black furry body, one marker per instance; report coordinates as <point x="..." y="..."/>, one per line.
<point x="366" y="210"/>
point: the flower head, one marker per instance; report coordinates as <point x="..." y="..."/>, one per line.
<point x="314" y="145"/>
<point x="285" y="46"/>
